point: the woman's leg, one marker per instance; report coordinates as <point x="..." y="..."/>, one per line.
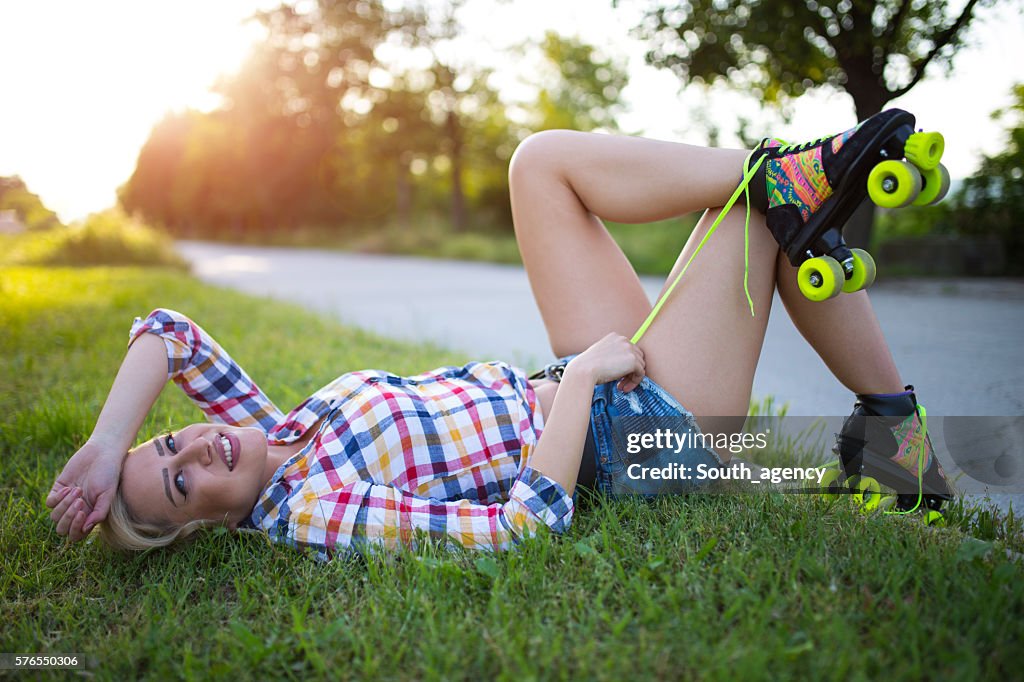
<point x="561" y="181"/>
<point x="844" y="332"/>
<point x="704" y="345"/>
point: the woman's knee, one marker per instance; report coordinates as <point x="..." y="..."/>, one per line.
<point x="540" y="154"/>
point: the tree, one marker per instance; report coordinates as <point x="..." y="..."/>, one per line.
<point x="15" y="196"/>
<point x="276" y="154"/>
<point x="453" y="81"/>
<point x="583" y="89"/>
<point x="875" y="50"/>
<point x="991" y="202"/>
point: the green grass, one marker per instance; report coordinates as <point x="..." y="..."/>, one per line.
<point x="742" y="586"/>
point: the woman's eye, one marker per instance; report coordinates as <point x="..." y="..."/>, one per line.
<point x="179" y="483"/>
<point x="169" y="441"/>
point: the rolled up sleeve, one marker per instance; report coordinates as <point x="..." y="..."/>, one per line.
<point x="206" y="373"/>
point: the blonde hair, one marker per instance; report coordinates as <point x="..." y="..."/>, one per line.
<point x="123" y="531"/>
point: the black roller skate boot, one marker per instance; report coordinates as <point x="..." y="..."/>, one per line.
<point x="885" y="443"/>
<point x="808" y="191"/>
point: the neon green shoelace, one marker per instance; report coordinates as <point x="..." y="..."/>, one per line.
<point x="923" y="416"/>
<point x="744" y="189"/>
<point x="803" y="146"/>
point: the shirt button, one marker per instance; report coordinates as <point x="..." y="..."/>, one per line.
<point x="604" y="460"/>
<point x="296" y="432"/>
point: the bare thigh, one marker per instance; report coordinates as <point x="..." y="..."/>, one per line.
<point x="704" y="345"/>
<point x="561" y="181"/>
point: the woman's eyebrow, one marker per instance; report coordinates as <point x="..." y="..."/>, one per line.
<point x="159" y="448"/>
<point x="167" y="487"/>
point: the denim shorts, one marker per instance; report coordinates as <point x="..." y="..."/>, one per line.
<point x="641" y="443"/>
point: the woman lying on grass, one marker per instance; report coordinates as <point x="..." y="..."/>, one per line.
<point x="480" y="455"/>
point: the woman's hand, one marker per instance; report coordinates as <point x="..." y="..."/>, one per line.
<point x="81" y="496"/>
<point x="613" y="357"/>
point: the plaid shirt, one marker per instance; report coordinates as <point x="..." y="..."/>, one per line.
<point x="444" y="454"/>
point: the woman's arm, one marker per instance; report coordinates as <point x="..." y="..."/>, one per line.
<point x="560" y="447"/>
<point x="166" y="345"/>
<point x="81" y="495"/>
<point x="212" y="380"/>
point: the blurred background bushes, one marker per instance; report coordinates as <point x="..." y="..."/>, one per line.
<point x="107" y="238"/>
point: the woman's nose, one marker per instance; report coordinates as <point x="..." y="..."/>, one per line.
<point x="197" y="451"/>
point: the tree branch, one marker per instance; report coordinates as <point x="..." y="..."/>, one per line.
<point x="941" y="41"/>
<point x="894" y="25"/>
<point x="822" y="29"/>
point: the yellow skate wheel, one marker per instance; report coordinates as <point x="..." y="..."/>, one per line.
<point x="863" y="272"/>
<point x="924" y="150"/>
<point x="867" y="493"/>
<point x="832" y="483"/>
<point x="894" y="184"/>
<point x="887" y="503"/>
<point x="934" y="518"/>
<point x="820" y="278"/>
<point x="936" y="186"/>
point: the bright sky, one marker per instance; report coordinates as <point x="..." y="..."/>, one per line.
<point x="83" y="83"/>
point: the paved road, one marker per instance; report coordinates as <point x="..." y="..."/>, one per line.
<point x="961" y="342"/>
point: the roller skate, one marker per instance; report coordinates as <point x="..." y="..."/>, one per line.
<point x="885" y="442"/>
<point x="808" y="191"/>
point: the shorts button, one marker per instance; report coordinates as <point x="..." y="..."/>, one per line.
<point x="604" y="460"/>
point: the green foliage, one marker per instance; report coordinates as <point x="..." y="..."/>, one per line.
<point x="653" y="248"/>
<point x="991" y="202"/>
<point x="988" y="204"/>
<point x="739" y="586"/>
<point x="915" y="221"/>
<point x="778" y="49"/>
<point x="434" y="238"/>
<point x="14" y="196"/>
<point x="584" y="89"/>
<point x="331" y="123"/>
<point x="108" y="238"/>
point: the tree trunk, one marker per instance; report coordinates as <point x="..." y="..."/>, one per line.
<point x="859" y="228"/>
<point x="869" y="96"/>
<point x="458" y="198"/>
<point x="403" y="195"/>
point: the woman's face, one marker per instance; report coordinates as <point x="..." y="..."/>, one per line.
<point x="204" y="471"/>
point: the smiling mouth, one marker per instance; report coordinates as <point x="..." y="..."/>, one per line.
<point x="229" y="449"/>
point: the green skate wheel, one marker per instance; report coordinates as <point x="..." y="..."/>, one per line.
<point x="934" y="518"/>
<point x="833" y="484"/>
<point x="936" y="186"/>
<point x="867" y="493"/>
<point x="894" y="184"/>
<point x="924" y="150"/>
<point x="863" y="272"/>
<point x="820" y="278"/>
